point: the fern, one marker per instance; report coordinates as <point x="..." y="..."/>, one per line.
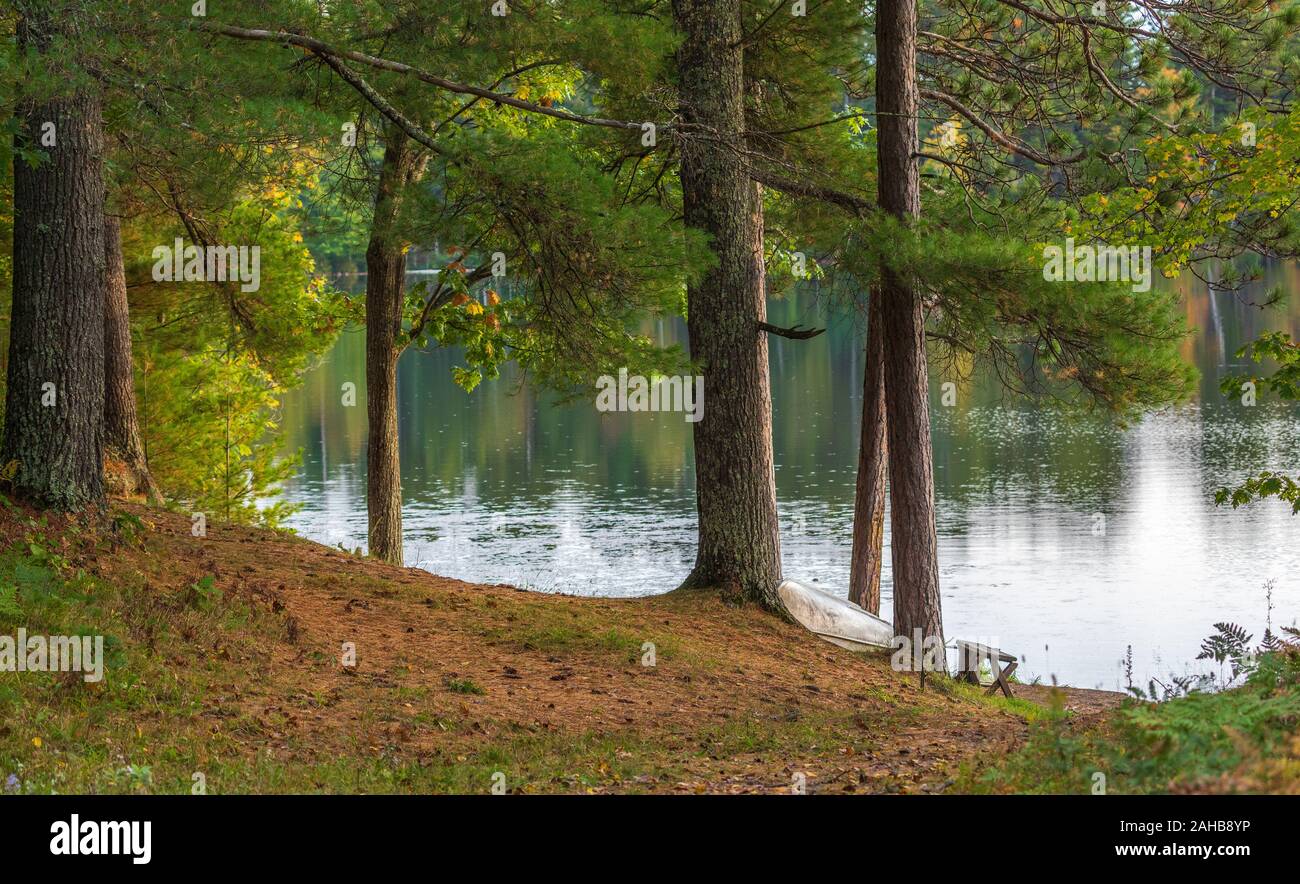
<point x="1273" y="662"/>
<point x="1228" y="643"/>
<point x="10" y="610"/>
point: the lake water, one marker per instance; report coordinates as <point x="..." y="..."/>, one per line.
<point x="1063" y="540"/>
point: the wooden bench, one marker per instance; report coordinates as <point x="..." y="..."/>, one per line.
<point x="971" y="654"/>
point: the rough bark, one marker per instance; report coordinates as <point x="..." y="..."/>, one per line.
<point x="56" y="341"/>
<point x="913" y="543"/>
<point x="739" y="535"/>
<point x="122" y="438"/>
<point x="869" y="501"/>
<point x="385" y="293"/>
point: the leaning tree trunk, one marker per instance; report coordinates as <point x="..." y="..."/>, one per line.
<point x="122" y="437"/>
<point x="54" y="407"/>
<point x="739" y="536"/>
<point x="385" y="294"/>
<point x="869" y="502"/>
<point x="911" y="465"/>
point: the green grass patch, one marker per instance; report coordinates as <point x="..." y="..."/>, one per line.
<point x="559" y="630"/>
<point x="1032" y="712"/>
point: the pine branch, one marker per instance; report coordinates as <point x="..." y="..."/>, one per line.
<point x="1016" y="147"/>
<point x="854" y="205"/>
<point x="325" y="50"/>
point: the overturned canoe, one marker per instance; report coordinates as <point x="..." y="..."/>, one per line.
<point x="834" y="619"/>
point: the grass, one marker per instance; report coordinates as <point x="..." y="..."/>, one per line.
<point x="558" y="631"/>
<point x="1031" y="712"/>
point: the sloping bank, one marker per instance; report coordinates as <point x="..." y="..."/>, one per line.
<point x="251" y="661"/>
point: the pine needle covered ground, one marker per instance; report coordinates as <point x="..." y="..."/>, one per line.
<point x="225" y="659"/>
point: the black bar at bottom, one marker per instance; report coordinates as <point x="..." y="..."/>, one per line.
<point x="638" y="834"/>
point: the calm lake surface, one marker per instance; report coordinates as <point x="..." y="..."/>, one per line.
<point x="1064" y="540"/>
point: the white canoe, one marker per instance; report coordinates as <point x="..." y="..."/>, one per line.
<point x="835" y="619"/>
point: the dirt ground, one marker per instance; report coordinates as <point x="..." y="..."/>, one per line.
<point x="1078" y="701"/>
<point x="735" y="701"/>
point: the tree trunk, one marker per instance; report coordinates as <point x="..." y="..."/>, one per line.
<point x="913" y="544"/>
<point x="739" y="536"/>
<point x="54" y="407"/>
<point x="869" y="502"/>
<point x="385" y="293"/>
<point x="122" y="437"/>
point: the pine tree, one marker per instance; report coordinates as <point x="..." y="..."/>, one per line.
<point x="1084" y="96"/>
<point x="54" y="406"/>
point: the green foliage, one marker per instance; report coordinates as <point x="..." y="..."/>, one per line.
<point x="1085" y="343"/>
<point x="1285" y="354"/>
<point x="1284" y="381"/>
<point x="585" y="259"/>
<point x="1267" y="484"/>
<point x="1154" y="747"/>
<point x="212" y="361"/>
<point x="588" y="266"/>
<point x="1193" y="736"/>
<point x="204" y="594"/>
<point x="1196" y="729"/>
<point x="1220" y="190"/>
<point x="209" y="428"/>
<point x="6" y="249"/>
<point x="1269" y="665"/>
<point x="128" y="526"/>
<point x="1107" y="134"/>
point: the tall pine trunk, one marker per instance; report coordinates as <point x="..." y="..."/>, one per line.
<point x="739" y="536"/>
<point x="122" y="437"/>
<point x="913" y="544"/>
<point x="385" y="293"/>
<point x="869" y="502"/>
<point x="54" y="407"/>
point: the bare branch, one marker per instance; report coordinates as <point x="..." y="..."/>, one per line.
<point x="794" y="332"/>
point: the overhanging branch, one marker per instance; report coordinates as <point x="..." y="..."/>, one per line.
<point x="854" y="205"/>
<point x="997" y="137"/>
<point x="323" y="49"/>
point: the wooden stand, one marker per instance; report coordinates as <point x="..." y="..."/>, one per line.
<point x="969" y="657"/>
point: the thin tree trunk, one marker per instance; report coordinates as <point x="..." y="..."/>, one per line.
<point x="54" y="407"/>
<point x="122" y="437"/>
<point x="739" y="536"/>
<point x="385" y="293"/>
<point x="913" y="543"/>
<point x="869" y="502"/>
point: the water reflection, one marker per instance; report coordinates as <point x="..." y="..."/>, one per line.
<point x="1066" y="539"/>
